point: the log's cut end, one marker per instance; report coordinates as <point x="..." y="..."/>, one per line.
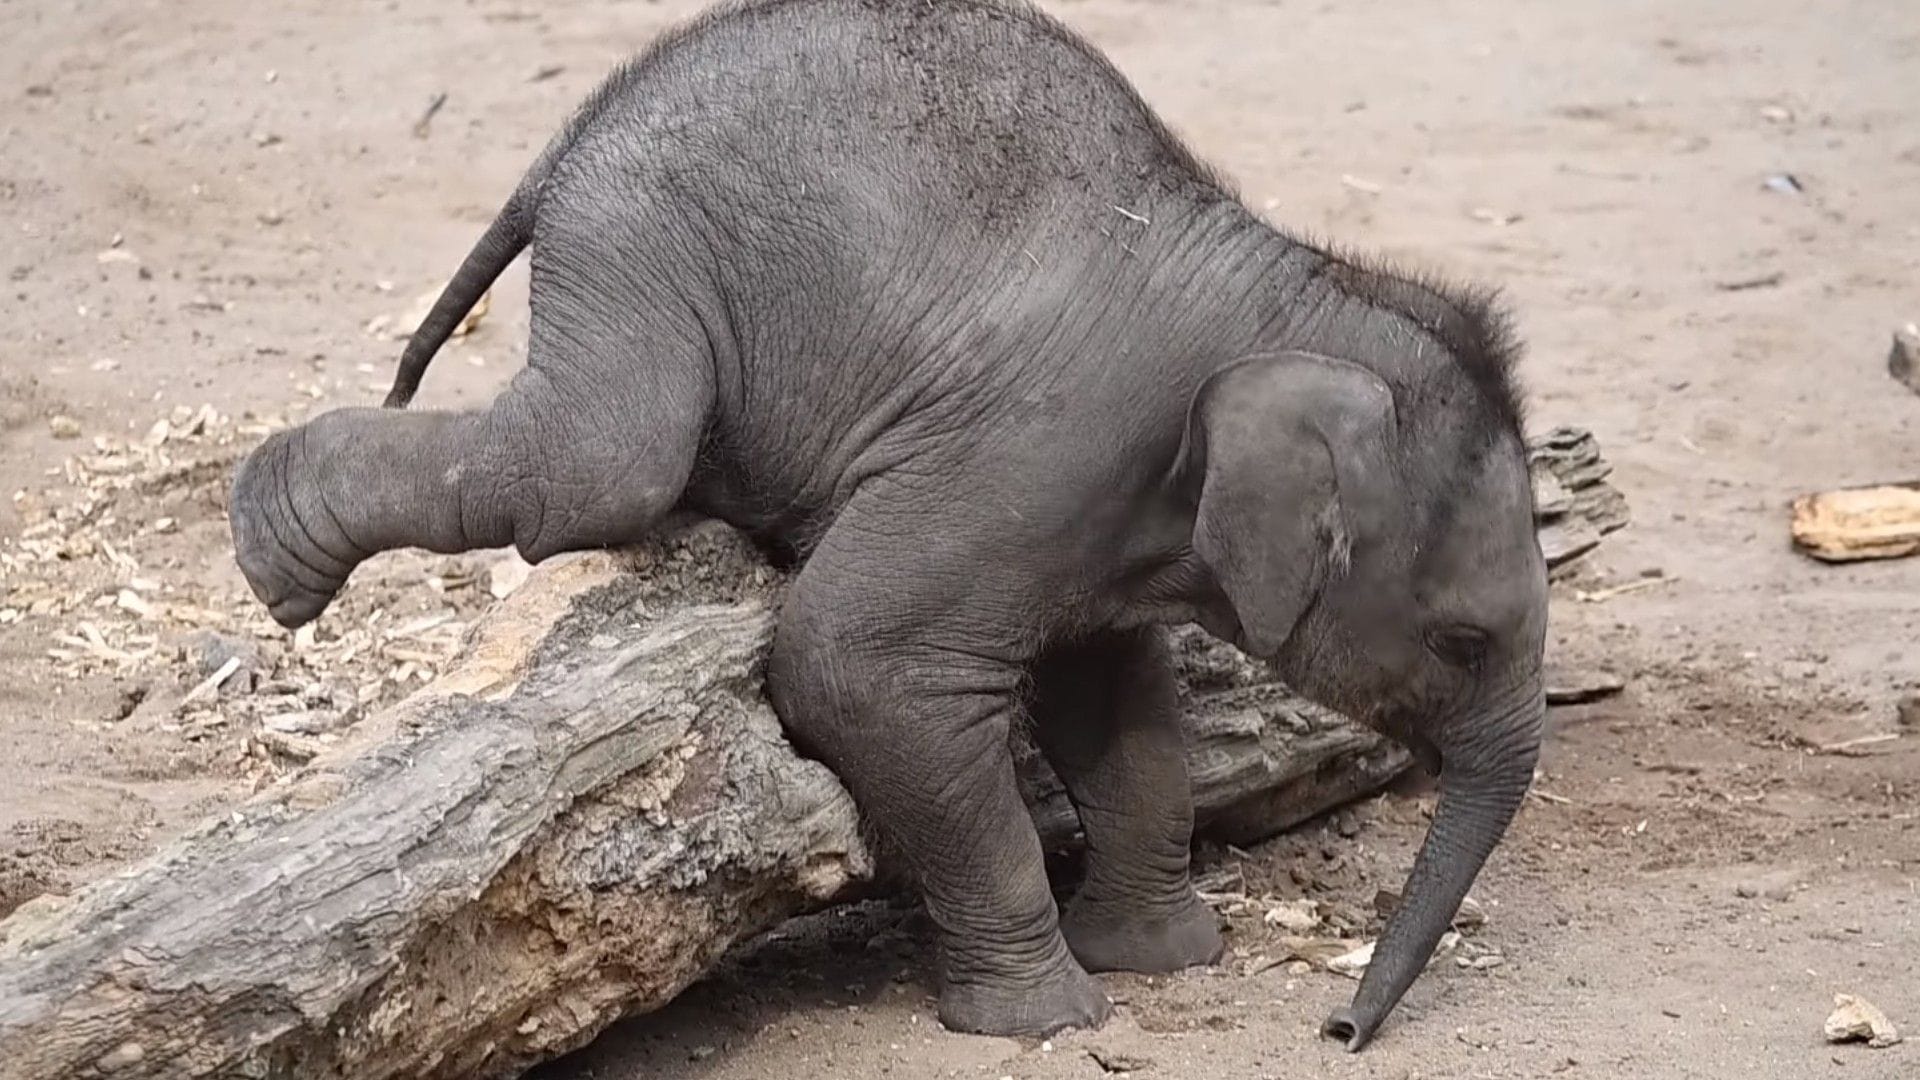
<point x="1573" y="504"/>
<point x="1852" y="524"/>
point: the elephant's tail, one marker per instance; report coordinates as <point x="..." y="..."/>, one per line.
<point x="498" y="246"/>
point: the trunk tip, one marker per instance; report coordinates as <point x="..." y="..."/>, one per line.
<point x="1344" y="1025"/>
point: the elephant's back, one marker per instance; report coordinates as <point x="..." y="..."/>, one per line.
<point x="984" y="108"/>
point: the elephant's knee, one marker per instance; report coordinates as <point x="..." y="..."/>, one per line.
<point x="818" y="689"/>
<point x="563" y="485"/>
<point x="554" y="515"/>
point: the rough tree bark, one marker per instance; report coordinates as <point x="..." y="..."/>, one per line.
<point x="570" y="825"/>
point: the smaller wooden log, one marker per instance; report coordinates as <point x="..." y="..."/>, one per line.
<point x="1852" y="524"/>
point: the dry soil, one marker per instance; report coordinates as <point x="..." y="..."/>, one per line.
<point x="1707" y="216"/>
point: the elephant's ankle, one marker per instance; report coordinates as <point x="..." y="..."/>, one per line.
<point x="1154" y="935"/>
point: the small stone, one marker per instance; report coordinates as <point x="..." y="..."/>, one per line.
<point x="1903" y="363"/>
<point x="298" y="748"/>
<point x="1909" y="712"/>
<point x="1118" y="1061"/>
<point x="209" y="650"/>
<point x="701" y="1053"/>
<point x="1855" y="1019"/>
<point x="1783" y="183"/>
<point x="64" y="427"/>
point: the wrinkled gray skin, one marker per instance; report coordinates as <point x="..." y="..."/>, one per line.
<point x="924" y="298"/>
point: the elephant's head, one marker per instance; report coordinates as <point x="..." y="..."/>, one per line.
<point x="1377" y="542"/>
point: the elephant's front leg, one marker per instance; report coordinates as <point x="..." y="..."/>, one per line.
<point x="868" y="677"/>
<point x="1108" y="719"/>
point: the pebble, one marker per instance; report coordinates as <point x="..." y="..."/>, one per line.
<point x="64" y="427"/>
<point x="1909" y="712"/>
<point x="1116" y="1061"/>
<point x="209" y="650"/>
<point x="1903" y="363"/>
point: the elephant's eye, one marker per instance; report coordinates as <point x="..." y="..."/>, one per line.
<point x="1459" y="645"/>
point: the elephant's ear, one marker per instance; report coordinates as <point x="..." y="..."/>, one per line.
<point x="1286" y="458"/>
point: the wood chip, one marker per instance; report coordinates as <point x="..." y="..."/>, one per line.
<point x="1352" y="964"/>
<point x="128" y="600"/>
<point x="420" y="626"/>
<point x="1601" y="596"/>
<point x="1853" y="747"/>
<point x="287" y="744"/>
<point x="1320" y="951"/>
<point x="1295" y="916"/>
<point x="1566" y="686"/>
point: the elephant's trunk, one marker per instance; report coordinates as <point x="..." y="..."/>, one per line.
<point x="1481" y="790"/>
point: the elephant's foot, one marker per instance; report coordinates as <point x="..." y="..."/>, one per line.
<point x="1064" y="997"/>
<point x="286" y="537"/>
<point x="1111" y="936"/>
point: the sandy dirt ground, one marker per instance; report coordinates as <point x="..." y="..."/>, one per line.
<point x="214" y="211"/>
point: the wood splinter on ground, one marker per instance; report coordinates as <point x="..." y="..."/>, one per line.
<point x="1878" y="522"/>
<point x="571" y="824"/>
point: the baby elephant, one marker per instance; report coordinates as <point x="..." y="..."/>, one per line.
<point x="922" y="296"/>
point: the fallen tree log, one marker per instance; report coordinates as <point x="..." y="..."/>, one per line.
<point x="586" y="809"/>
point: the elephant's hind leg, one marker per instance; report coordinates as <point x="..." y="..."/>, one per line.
<point x="588" y="447"/>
